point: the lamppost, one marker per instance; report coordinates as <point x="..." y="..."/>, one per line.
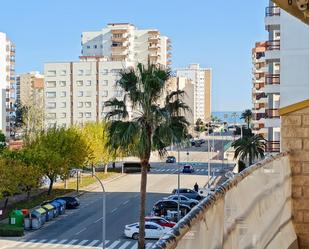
<point x="104" y="212"/>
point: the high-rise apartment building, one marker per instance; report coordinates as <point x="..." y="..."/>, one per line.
<point x="30" y="89"/>
<point x="124" y="42"/>
<point x="7" y="84"/>
<point x="201" y="79"/>
<point x="75" y="92"/>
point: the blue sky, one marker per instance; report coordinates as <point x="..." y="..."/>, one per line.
<point x="216" y="34"/>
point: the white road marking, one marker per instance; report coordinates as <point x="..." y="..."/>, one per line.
<point x="27" y="243"/>
<point x="124" y="245"/>
<point x="127" y="201"/>
<point x="83" y="242"/>
<point x="134" y="246"/>
<point x="112" y="246"/>
<point x="101" y="244"/>
<point x="38" y="243"/>
<point x="49" y="243"/>
<point x="98" y="220"/>
<point x="93" y="243"/>
<point x="70" y="243"/>
<point x="61" y="242"/>
<point x="114" y="210"/>
<point x="148" y="245"/>
<point x="81" y="231"/>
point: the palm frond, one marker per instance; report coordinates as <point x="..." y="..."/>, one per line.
<point x="118" y="109"/>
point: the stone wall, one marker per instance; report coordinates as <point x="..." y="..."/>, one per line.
<point x="295" y="138"/>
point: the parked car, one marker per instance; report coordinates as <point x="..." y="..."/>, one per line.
<point x="183" y="200"/>
<point x="187" y="169"/>
<point x="71" y="202"/>
<point x="152" y="230"/>
<point x="170" y="159"/>
<point x="160" y="207"/>
<point x="203" y="141"/>
<point x="160" y="221"/>
<point x="191" y="194"/>
<point x="198" y="143"/>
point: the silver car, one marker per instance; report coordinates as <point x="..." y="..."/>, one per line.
<point x="183" y="200"/>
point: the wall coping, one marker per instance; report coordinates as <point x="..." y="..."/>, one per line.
<point x="294" y="107"/>
<point x="171" y="239"/>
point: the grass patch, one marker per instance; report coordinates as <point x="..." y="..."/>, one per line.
<point x="11" y="231"/>
<point x="88" y="180"/>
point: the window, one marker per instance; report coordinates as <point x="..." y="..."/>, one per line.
<point x="105" y="82"/>
<point x="51" y="115"/>
<point x="63" y="115"/>
<point x="95" y="46"/>
<point x="115" y="71"/>
<point x="80" y="72"/>
<point x="88" y="46"/>
<point x="62" y="83"/>
<point x="79" y="83"/>
<point x="51" y="73"/>
<point x="50" y="94"/>
<point x="51" y="84"/>
<point x="88" y="114"/>
<point x="88" y="104"/>
<point x="63" y="104"/>
<point x="63" y="94"/>
<point x="80" y="104"/>
<point x="51" y="105"/>
<point x="80" y="93"/>
<point x="104" y="93"/>
<point x="101" y="46"/>
<point x="88" y="94"/>
<point x="63" y="72"/>
<point x="105" y="71"/>
<point x="88" y="83"/>
<point x="80" y="114"/>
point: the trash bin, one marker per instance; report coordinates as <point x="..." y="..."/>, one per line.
<point x="56" y="206"/>
<point x="16" y="218"/>
<point x="27" y="222"/>
<point x="62" y="205"/>
<point x="25" y="212"/>
<point x="40" y="214"/>
<point x="49" y="211"/>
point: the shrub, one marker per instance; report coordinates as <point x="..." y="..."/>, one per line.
<point x="11" y="231"/>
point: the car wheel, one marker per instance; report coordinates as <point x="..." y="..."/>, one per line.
<point x="135" y="236"/>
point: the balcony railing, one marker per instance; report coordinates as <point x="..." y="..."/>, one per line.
<point x="260" y="95"/>
<point x="273" y="45"/>
<point x="251" y="210"/>
<point x="272" y="11"/>
<point x="273" y="146"/>
<point x="272" y="79"/>
<point x="258" y="116"/>
<point x="272" y="113"/>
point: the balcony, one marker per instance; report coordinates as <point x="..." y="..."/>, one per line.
<point x="272" y="17"/>
<point x="272" y="83"/>
<point x="272" y="52"/>
<point x="116" y="38"/>
<point x="119" y="57"/>
<point x="154" y="39"/>
<point x="272" y="113"/>
<point x="273" y="146"/>
<point x="119" y="31"/>
<point x="261" y="218"/>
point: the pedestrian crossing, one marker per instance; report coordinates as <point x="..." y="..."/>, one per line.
<point x="73" y="243"/>
<point x="173" y="170"/>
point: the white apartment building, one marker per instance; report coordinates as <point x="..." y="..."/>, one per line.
<point x="7" y="84"/>
<point x="202" y="80"/>
<point x="124" y="42"/>
<point x="75" y="92"/>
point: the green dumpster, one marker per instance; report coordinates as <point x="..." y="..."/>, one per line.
<point x="16" y="218"/>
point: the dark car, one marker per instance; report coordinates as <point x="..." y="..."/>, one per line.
<point x="188" y="169"/>
<point x="183" y="200"/>
<point x="71" y="202"/>
<point x="191" y="194"/>
<point x="161" y="207"/>
<point x="170" y="159"/>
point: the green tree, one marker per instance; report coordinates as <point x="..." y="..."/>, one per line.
<point x="152" y="127"/>
<point x="2" y="142"/>
<point x="249" y="148"/>
<point x="247" y="117"/>
<point x="55" y="151"/>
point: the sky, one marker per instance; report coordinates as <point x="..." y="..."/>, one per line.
<point x="216" y="34"/>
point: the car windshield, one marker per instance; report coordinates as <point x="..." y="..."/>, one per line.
<point x="187" y="167"/>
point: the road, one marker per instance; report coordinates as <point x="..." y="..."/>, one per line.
<point x="82" y="228"/>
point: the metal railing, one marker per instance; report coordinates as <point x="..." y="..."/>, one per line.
<point x="272" y="113"/>
<point x="273" y="45"/>
<point x="251" y="210"/>
<point x="272" y="11"/>
<point x="272" y="79"/>
<point x="273" y="146"/>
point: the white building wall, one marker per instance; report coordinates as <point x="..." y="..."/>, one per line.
<point x="294" y="60"/>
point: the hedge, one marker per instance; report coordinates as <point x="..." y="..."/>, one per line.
<point x="11" y="231"/>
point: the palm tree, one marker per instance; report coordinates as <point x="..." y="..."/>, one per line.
<point x="153" y="127"/>
<point x="249" y="147"/>
<point x="247" y="116"/>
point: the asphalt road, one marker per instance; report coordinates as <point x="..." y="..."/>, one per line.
<point x="82" y="228"/>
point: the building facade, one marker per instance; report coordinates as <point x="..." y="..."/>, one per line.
<point x="201" y="79"/>
<point x="124" y="42"/>
<point x="7" y="85"/>
<point x="75" y="92"/>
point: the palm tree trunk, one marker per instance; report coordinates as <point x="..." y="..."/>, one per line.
<point x="141" y="238"/>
